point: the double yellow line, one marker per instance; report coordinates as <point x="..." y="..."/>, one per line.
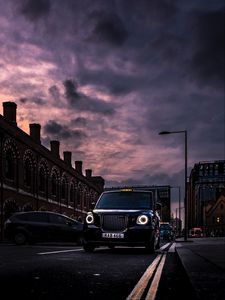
<point x="153" y="274"/>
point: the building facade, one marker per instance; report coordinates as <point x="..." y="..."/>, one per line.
<point x="36" y="178"/>
<point x="206" y="191"/>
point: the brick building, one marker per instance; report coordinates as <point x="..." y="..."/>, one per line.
<point x="33" y="177"/>
<point x="206" y="191"/>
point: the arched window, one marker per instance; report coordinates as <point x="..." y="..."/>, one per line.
<point x="71" y="193"/>
<point x="79" y="195"/>
<point x="9" y="165"/>
<point x="54" y="184"/>
<point x="85" y="196"/>
<point x="42" y="180"/>
<point x="27" y="173"/>
<point x="63" y="189"/>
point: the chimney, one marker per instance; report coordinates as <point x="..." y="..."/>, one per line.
<point x="9" y="111"/>
<point x="55" y="148"/>
<point x="67" y="157"/>
<point x="78" y="166"/>
<point x="35" y="132"/>
<point x="88" y="173"/>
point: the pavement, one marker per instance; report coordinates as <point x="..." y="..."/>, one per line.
<point x="203" y="260"/>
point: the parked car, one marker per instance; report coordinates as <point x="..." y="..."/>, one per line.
<point x="123" y="218"/>
<point x="42" y="226"/>
<point x="166" y="231"/>
<point x="195" y="232"/>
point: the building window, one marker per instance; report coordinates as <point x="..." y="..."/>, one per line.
<point x="42" y="180"/>
<point x="63" y="189"/>
<point x="71" y="193"/>
<point x="85" y="197"/>
<point x="27" y="173"/>
<point x="9" y="165"/>
<point x="78" y="196"/>
<point x="218" y="220"/>
<point x="54" y="185"/>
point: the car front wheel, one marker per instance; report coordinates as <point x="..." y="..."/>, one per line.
<point x="20" y="238"/>
<point x="88" y="247"/>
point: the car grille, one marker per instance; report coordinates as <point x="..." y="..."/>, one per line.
<point x="114" y="222"/>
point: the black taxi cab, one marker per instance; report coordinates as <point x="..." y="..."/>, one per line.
<point x="123" y="217"/>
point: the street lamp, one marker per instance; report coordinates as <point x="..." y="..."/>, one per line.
<point x="185" y="179"/>
<point x="179" y="208"/>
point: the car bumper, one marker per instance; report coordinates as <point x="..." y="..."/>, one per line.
<point x="131" y="237"/>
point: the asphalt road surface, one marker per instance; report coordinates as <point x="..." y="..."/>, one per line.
<point x="67" y="272"/>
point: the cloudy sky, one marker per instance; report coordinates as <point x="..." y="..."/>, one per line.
<point x="105" y="77"/>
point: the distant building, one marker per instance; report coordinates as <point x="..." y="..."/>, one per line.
<point x="33" y="177"/>
<point x="214" y="221"/>
<point x="206" y="188"/>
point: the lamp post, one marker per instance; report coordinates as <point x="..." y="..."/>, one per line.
<point x="185" y="178"/>
<point x="179" y="217"/>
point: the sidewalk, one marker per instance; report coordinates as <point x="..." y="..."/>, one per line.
<point x="204" y="262"/>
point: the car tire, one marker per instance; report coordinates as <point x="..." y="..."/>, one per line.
<point x="20" y="238"/>
<point x="158" y="244"/>
<point x="88" y="247"/>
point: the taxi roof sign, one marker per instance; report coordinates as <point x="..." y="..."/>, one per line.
<point x="127" y="190"/>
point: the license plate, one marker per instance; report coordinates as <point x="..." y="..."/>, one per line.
<point x="110" y="235"/>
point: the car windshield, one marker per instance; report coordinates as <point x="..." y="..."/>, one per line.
<point x="125" y="200"/>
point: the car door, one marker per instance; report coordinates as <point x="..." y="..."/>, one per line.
<point x="62" y="228"/>
<point x="37" y="225"/>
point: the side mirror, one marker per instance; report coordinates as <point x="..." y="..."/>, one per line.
<point x="92" y="206"/>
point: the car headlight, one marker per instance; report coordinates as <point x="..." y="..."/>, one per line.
<point x="90" y="218"/>
<point x="142" y="220"/>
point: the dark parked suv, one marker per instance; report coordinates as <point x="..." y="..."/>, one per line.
<point x="42" y="226"/>
<point x="123" y="218"/>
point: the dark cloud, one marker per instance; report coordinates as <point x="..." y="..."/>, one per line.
<point x="109" y="28"/>
<point x="62" y="131"/>
<point x="80" y="121"/>
<point x="54" y="92"/>
<point x="35" y="100"/>
<point x="81" y="102"/>
<point x="71" y="90"/>
<point x="35" y="9"/>
<point x="209" y="56"/>
<point x="148" y="11"/>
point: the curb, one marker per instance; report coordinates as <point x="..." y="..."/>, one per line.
<point x="206" y="279"/>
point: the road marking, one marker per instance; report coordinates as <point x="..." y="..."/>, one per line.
<point x="172" y="248"/>
<point x="60" y="251"/>
<point x="165" y="246"/>
<point x="155" y="283"/>
<point x="140" y="287"/>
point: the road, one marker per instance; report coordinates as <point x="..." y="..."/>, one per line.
<point x="67" y="272"/>
<point x="53" y="272"/>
